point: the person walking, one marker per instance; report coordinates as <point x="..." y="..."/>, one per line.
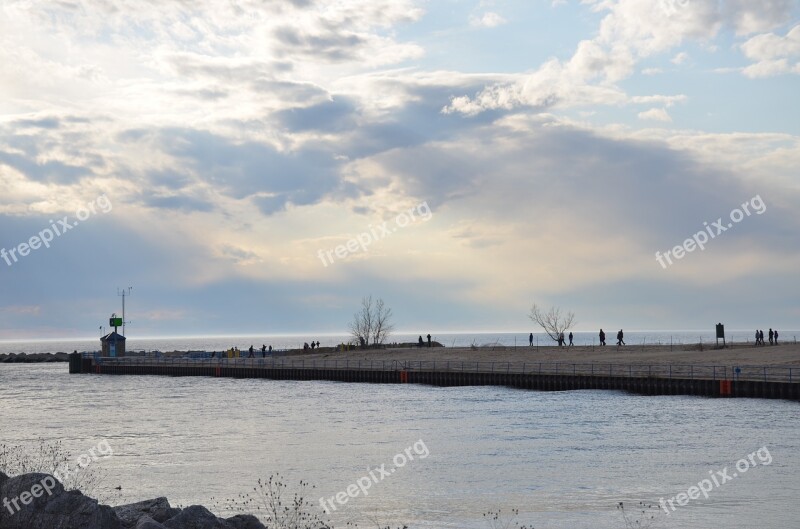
<point x="620" y="338"/>
<point x="602" y="337"/>
<point x="570" y="339"/>
<point x="758" y="338"/>
<point x="776" y="336"/>
<point x="251" y="352"/>
<point x="530" y="340"/>
<point x="761" y="332"/>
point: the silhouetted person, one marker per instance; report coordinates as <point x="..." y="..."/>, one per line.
<point x="429" y="340"/>
<point x="771" y="336"/>
<point x="530" y="340"/>
<point x="251" y="352"/>
<point x="317" y="344"/>
<point x="420" y="341"/>
<point x="213" y="353"/>
<point x="313" y="344"/>
<point x="776" y="336"/>
<point x="570" y="339"/>
<point x="305" y="346"/>
<point x="758" y="338"/>
<point x="620" y="336"/>
<point x="761" y="332"/>
<point x="270" y="349"/>
<point x="602" y="337"/>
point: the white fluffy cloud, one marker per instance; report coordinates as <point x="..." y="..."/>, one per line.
<point x="490" y="19"/>
<point x="656" y="114"/>
<point x="773" y="54"/>
<point x="631" y="31"/>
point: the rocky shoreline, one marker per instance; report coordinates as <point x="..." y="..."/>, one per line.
<point x="39" y="501"/>
<point x="33" y="358"/>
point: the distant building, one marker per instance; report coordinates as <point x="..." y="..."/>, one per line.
<point x="113" y="345"/>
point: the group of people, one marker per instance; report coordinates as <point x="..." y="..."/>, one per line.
<point x="234" y="352"/>
<point x="773" y="337"/>
<point x="561" y="341"/>
<point x="263" y="351"/>
<point x="421" y="343"/>
<point x="313" y="345"/>
<point x="620" y="338"/>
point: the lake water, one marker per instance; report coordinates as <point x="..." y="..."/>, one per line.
<point x="563" y="459"/>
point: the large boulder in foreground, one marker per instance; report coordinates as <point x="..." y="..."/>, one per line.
<point x="196" y="517"/>
<point x="145" y="522"/>
<point x="54" y="508"/>
<point x="158" y="510"/>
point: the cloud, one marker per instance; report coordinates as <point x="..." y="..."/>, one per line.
<point x="247" y="168"/>
<point x="656" y="114"/>
<point x="667" y="101"/>
<point x="773" y="54"/>
<point x="489" y="19"/>
<point x="630" y="31"/>
<point x="236" y="138"/>
<point x="680" y="58"/>
<point x="336" y="114"/>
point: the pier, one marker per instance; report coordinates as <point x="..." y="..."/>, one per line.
<point x="768" y="382"/>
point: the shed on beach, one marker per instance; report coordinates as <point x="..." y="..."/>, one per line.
<point x="113" y="345"/>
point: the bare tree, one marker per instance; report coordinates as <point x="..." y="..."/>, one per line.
<point x="361" y="326"/>
<point x="552" y="322"/>
<point x="372" y="324"/>
<point x="382" y="322"/>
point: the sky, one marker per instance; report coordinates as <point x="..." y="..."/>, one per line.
<point x="259" y="166"/>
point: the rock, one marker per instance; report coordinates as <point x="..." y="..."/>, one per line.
<point x="245" y="521"/>
<point x="158" y="509"/>
<point x="145" y="522"/>
<point x="23" y="358"/>
<point x="53" y="509"/>
<point x="196" y="517"/>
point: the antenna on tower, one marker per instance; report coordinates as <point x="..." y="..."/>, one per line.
<point x="124" y="292"/>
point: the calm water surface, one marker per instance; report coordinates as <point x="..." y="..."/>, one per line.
<point x="563" y="459"/>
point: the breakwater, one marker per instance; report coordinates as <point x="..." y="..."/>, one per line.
<point x="709" y="381"/>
